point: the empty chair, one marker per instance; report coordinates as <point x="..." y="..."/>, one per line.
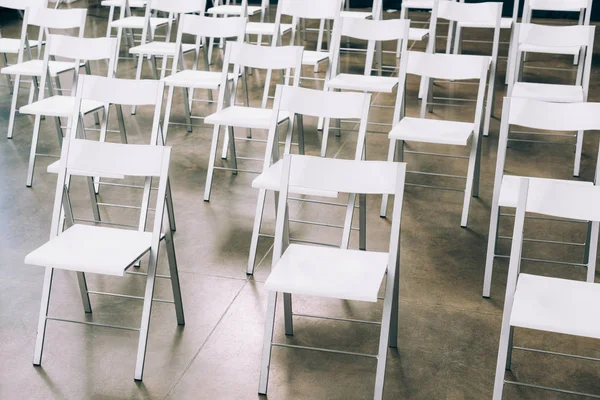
<point x="190" y="79"/>
<point x="374" y="32"/>
<point x="164" y="49"/>
<point x="419" y="34"/>
<point x="565" y="40"/>
<point x="298" y="103"/>
<point x="11" y="45"/>
<point x="454" y="68"/>
<point x="330" y="272"/>
<point x="243" y="56"/>
<point x="45" y="19"/>
<point x="543" y="303"/>
<point x="59" y="105"/>
<point x="549" y="118"/>
<point x="487" y="14"/>
<point x="308" y="9"/>
<point x="107" y="250"/>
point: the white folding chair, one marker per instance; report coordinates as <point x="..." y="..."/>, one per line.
<point x="165" y="49"/>
<point x="114" y="4"/>
<point x="561" y="40"/>
<point x="484" y="14"/>
<point x="105" y="250"/>
<point x="59" y="105"/>
<point x="582" y="7"/>
<point x="375" y="32"/>
<point x="419" y="34"/>
<point x="299" y="102"/>
<point x="45" y="19"/>
<point x="263" y="28"/>
<point x="202" y="28"/>
<point x="11" y="45"/>
<point x="335" y="273"/>
<point x="127" y="22"/>
<point x="545" y="303"/>
<point x="324" y="10"/>
<point x="549" y="118"/>
<point x="243" y="56"/>
<point x="454" y="68"/>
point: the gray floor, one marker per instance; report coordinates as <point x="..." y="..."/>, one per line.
<point x="448" y="333"/>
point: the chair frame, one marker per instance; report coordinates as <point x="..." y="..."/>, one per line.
<point x="325" y="106"/>
<point x="588" y="119"/>
<point x="389" y="323"/>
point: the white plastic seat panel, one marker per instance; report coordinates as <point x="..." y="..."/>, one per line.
<point x="59" y="106"/>
<point x="356" y="14"/>
<point x="505" y="23"/>
<point x="417" y="34"/>
<point x="138" y="22"/>
<point x="432" y="131"/>
<point x="548" y="92"/>
<point x="329" y="272"/>
<point x="566" y="50"/>
<point x="11" y="45"/>
<point x="94" y="249"/>
<point x="556" y="305"/>
<point x="421" y="4"/>
<point x="378" y="84"/>
<point x="35" y="67"/>
<point x="266" y="28"/>
<point x="313" y="58"/>
<point x="161" y="48"/>
<point x="232" y="9"/>
<point x="509" y="190"/>
<point x="196" y="79"/>
<point x="300" y="179"/>
<point x="245" y="117"/>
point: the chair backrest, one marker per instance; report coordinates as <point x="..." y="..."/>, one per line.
<point x="553" y="40"/>
<point x="346" y="176"/>
<point x="23" y="4"/>
<point x="118" y="92"/>
<point x="243" y="56"/>
<point x="581" y="6"/>
<point x="305" y="9"/>
<point x="299" y="101"/>
<point x="546" y="116"/>
<point x="370" y="30"/>
<point x="89" y="158"/>
<point x="46" y="19"/>
<point x="453" y="67"/>
<point x="203" y="27"/>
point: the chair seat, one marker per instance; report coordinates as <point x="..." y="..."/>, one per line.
<point x="432" y="131"/>
<point x="232" y="10"/>
<point x="556" y="305"/>
<point x="59" y="106"/>
<point x="378" y="84"/>
<point x="35" y="67"/>
<point x="94" y="249"/>
<point x="138" y="22"/>
<point x="11" y="45"/>
<point x="310" y="57"/>
<point x="548" y="92"/>
<point x="329" y="272"/>
<point x="117" y="3"/>
<point x="266" y="28"/>
<point x="356" y="14"/>
<point x="417" y="34"/>
<point x="161" y="49"/>
<point x="509" y="190"/>
<point x="505" y="23"/>
<point x="196" y="79"/>
<point x="571" y="51"/>
<point x="245" y="117"/>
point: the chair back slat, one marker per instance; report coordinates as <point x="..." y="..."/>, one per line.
<point x="316" y="103"/>
<point x="446" y="66"/>
<point x="550" y="116"/>
<point x="469" y="12"/>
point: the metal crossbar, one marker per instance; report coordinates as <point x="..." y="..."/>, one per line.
<point x="127" y="328"/>
<point x="554" y="353"/>
<point x="545" y="261"/>
<point x="358" y="321"/>
<point x="575" y="221"/>
<point x="435" y="187"/>
<point x="126" y="296"/>
<point x="145" y="274"/>
<point x="350" y="353"/>
<point x="434" y="154"/>
<point x="544" y="241"/>
<point x="530" y="385"/>
<point x="299" y="221"/>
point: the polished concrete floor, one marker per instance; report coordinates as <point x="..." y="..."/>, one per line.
<point x="448" y="333"/>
